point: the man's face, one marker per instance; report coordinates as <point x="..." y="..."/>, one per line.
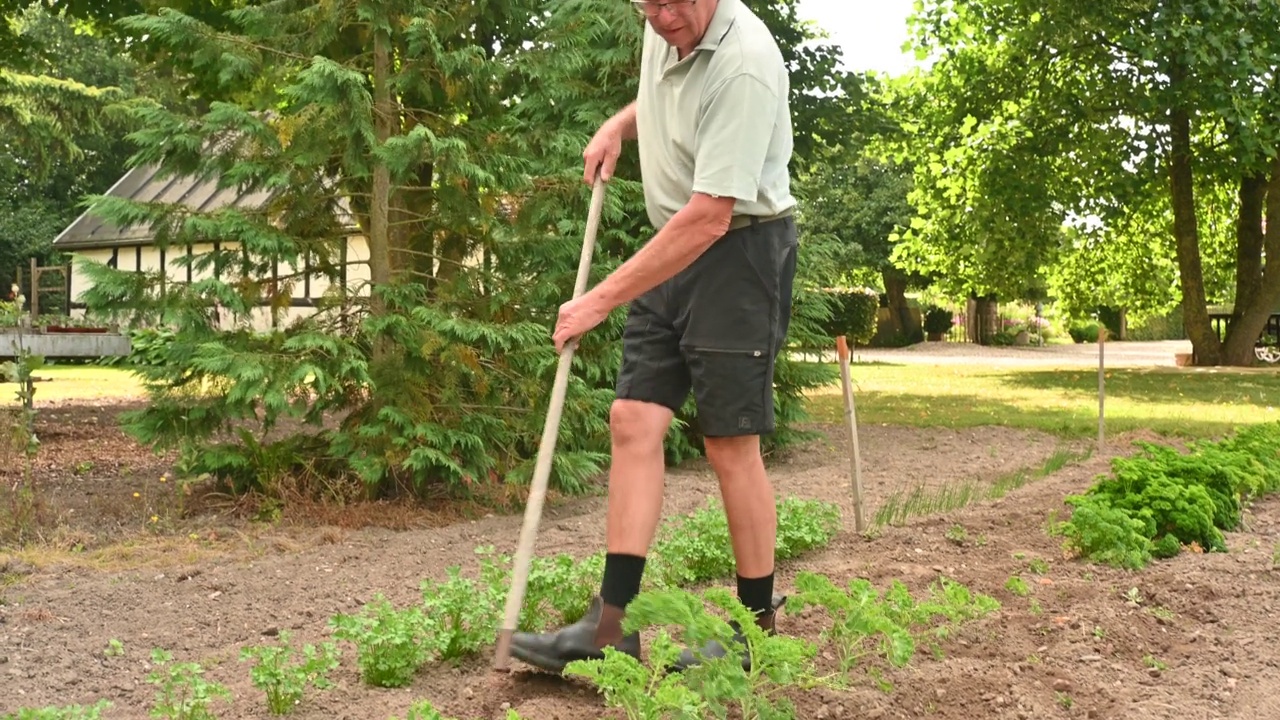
<point x="681" y="23"/>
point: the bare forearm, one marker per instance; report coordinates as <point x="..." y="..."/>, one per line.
<point x="625" y="121"/>
<point x="676" y="246"/>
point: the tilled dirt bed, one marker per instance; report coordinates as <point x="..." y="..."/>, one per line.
<point x="1193" y="637"/>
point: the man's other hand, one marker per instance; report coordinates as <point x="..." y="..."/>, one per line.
<point x="577" y="317"/>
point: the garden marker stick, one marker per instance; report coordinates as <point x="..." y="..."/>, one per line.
<point x="550" y="431"/>
<point x="851" y="420"/>
<point x="1102" y="386"/>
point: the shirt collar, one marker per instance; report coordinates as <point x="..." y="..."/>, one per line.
<point x="721" y="21"/>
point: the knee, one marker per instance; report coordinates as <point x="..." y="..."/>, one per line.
<point x="638" y="424"/>
<point x="730" y="456"/>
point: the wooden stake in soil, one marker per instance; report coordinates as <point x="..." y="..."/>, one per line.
<point x="851" y="421"/>
<point x="550" y="432"/>
<point x="1102" y="387"/>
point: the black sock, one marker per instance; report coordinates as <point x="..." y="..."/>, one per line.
<point x="622" y="575"/>
<point x="756" y="593"/>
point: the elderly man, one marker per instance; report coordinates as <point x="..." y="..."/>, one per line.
<point x="710" y="298"/>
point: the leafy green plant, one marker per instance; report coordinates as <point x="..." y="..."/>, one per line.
<point x="643" y="692"/>
<point x="284" y="682"/>
<point x="1017" y="586"/>
<point x="1151" y="662"/>
<point x="465" y="613"/>
<point x="69" y="712"/>
<point x="938" y="320"/>
<point x="714" y="686"/>
<point x="698" y="547"/>
<point x="1106" y="535"/>
<point x="184" y="694"/>
<point x="866" y="622"/>
<point x="695" y="548"/>
<point x="390" y="644"/>
<point x="1160" y="500"/>
<point x="853" y="315"/>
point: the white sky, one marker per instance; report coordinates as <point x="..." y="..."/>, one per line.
<point x="871" y="32"/>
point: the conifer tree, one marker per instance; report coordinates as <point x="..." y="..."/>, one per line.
<point x="449" y="135"/>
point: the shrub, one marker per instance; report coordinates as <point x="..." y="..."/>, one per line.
<point x="1168" y="326"/>
<point x="853" y="314"/>
<point x="1084" y="332"/>
<point x="1160" y="500"/>
<point x="938" y="320"/>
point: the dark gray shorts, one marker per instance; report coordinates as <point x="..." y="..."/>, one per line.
<point x="716" y="329"/>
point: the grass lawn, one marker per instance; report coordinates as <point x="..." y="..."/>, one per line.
<point x="83" y="383"/>
<point x="1173" y="401"/>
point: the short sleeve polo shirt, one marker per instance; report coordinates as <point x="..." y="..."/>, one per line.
<point x="717" y="122"/>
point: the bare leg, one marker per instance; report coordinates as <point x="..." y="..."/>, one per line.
<point x="635" y="507"/>
<point x="635" y="475"/>
<point x="749" y="503"/>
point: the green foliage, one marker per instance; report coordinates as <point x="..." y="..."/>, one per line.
<point x="460" y="616"/>
<point x="698" y="547"/>
<point x="440" y="365"/>
<point x="284" y="682"/>
<point x="714" y="686"/>
<point x="1038" y="165"/>
<point x="938" y="320"/>
<point x="69" y="712"/>
<point x="1084" y="332"/>
<point x="853" y="315"/>
<point x="1167" y="326"/>
<point x="390" y="644"/>
<point x="148" y="346"/>
<point x="1160" y="500"/>
<point x="865" y="622"/>
<point x="643" y="691"/>
<point x="61" y="139"/>
<point x="862" y="623"/>
<point x="1107" y="535"/>
<point x="184" y="694"/>
<point x="464" y="611"/>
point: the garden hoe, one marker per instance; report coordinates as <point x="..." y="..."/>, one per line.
<point x="542" y="471"/>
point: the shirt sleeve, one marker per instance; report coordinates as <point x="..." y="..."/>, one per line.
<point x="732" y="141"/>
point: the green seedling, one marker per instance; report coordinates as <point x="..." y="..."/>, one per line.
<point x="283" y="680"/>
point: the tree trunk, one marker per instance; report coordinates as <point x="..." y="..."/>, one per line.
<point x="1253" y="196"/>
<point x="1257" y="284"/>
<point x="984" y="319"/>
<point x="900" y="318"/>
<point x="379" y="231"/>
<point x="1186" y="233"/>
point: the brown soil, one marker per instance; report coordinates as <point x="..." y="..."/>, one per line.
<point x="207" y="585"/>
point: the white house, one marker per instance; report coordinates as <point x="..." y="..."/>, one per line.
<point x="92" y="237"/>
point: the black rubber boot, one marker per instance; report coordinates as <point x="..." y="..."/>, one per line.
<point x="600" y="627"/>
<point x="713" y="649"/>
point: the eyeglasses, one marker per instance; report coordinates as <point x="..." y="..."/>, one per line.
<point x="650" y="8"/>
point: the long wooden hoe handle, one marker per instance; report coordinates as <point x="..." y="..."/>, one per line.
<point x="550" y="432"/>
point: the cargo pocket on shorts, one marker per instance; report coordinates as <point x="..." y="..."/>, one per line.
<point x="733" y="389"/>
